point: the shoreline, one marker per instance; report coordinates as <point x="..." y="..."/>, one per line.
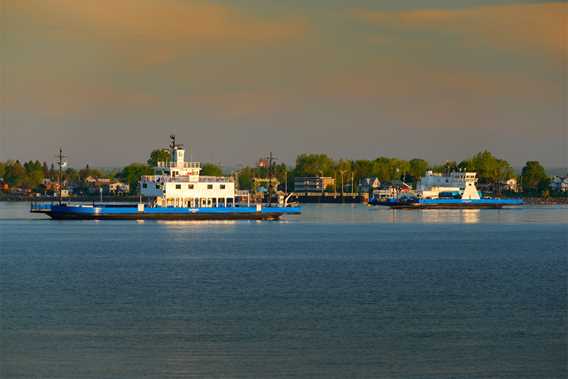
<point x="334" y="200"/>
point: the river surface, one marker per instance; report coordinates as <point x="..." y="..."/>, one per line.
<point x="343" y="291"/>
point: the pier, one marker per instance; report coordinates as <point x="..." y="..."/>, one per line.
<point x="331" y="197"/>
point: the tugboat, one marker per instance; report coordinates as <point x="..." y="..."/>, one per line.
<point x="436" y="191"/>
<point x="176" y="191"/>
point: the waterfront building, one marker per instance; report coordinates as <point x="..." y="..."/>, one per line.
<point x="116" y="187"/>
<point x="367" y="185"/>
<point x="390" y="189"/>
<point x="313" y="183"/>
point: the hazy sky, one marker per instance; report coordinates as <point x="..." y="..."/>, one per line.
<point x="109" y="80"/>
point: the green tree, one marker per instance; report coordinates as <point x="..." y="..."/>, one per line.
<point x="534" y="178"/>
<point x="2" y="169"/>
<point x="362" y="169"/>
<point x="386" y="168"/>
<point x="314" y="165"/>
<point x="447" y="167"/>
<point x="245" y="177"/>
<point x="210" y="169"/>
<point x="70" y="175"/>
<point x="417" y="169"/>
<point x="15" y="173"/>
<point x="88" y="171"/>
<point x="158" y="155"/>
<point x="382" y="169"/>
<point x="32" y="179"/>
<point x="52" y="172"/>
<point x="281" y="173"/>
<point x="132" y="173"/>
<point x="489" y="169"/>
<point x="33" y="175"/>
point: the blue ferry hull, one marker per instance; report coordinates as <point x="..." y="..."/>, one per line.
<point x="446" y="203"/>
<point x="82" y="212"/>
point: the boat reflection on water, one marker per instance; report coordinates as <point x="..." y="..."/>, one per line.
<point x="470" y="216"/>
<point x="195" y="223"/>
<point x="437" y="216"/>
<point x="464" y="216"/>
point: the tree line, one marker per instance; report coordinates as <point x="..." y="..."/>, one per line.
<point x="490" y="170"/>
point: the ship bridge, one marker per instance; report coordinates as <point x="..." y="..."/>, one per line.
<point x="178" y="183"/>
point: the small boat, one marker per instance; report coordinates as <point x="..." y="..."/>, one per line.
<point x="436" y="191"/>
<point x="176" y="191"/>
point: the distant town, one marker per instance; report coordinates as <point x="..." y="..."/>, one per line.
<point x="312" y="173"/>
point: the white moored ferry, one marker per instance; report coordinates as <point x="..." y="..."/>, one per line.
<point x="456" y="190"/>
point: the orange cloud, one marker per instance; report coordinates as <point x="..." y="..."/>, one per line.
<point x="540" y="27"/>
<point x="154" y="30"/>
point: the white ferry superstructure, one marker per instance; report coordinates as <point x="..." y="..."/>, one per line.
<point x="456" y="190"/>
<point x="177" y="191"/>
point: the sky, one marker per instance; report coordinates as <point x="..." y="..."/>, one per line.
<point x="110" y="80"/>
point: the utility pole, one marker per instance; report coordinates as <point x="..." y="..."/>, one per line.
<point x="271" y="158"/>
<point x="343" y="172"/>
<point x="60" y="163"/>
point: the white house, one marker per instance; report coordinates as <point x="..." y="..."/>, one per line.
<point x="559" y="184"/>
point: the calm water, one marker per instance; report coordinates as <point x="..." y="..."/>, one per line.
<point x="340" y="292"/>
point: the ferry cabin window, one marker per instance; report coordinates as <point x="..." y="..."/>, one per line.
<point x="190" y="186"/>
<point x="222" y="186"/>
<point x="178" y="186"/>
<point x="144" y="185"/>
<point x="210" y="186"/>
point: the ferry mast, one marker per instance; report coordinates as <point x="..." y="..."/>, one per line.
<point x="271" y="158"/>
<point x="60" y="163"/>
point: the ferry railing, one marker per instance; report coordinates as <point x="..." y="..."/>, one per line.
<point x="187" y="179"/>
<point x="216" y="179"/>
<point x="180" y="165"/>
<point x="36" y="206"/>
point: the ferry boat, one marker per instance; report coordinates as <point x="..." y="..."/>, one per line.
<point x="435" y="191"/>
<point x="176" y="191"/>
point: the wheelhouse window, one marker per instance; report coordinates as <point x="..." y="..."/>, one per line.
<point x="190" y="186"/>
<point x="178" y="186"/>
<point x="144" y="185"/>
<point x="210" y="186"/>
<point x="222" y="186"/>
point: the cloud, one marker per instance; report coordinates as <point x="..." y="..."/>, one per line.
<point x="155" y="31"/>
<point x="541" y="28"/>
